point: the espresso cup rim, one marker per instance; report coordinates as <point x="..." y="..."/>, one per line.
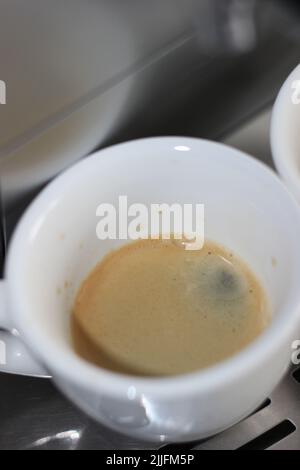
<point x="281" y="134"/>
<point x="71" y="367"/>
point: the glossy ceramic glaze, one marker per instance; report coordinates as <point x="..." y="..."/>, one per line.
<point x="55" y="246"/>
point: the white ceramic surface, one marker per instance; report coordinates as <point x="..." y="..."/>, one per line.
<point x="285" y="132"/>
<point x="247" y="209"/>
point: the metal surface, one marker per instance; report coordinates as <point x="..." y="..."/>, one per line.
<point x="284" y="406"/>
<point x="33" y="414"/>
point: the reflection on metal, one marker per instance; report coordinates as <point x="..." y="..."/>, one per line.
<point x="276" y="426"/>
<point x="71" y="437"/>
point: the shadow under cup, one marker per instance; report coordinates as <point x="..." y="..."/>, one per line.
<point x="246" y="209"/>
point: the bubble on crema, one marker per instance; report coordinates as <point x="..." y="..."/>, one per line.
<point x="182" y="241"/>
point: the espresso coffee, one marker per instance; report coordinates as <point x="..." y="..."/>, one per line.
<point x="153" y="308"/>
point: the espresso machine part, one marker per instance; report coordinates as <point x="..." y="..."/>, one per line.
<point x="80" y="75"/>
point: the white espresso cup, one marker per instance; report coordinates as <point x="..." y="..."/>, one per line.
<point x="55" y="246"/>
<point x="285" y="132"/>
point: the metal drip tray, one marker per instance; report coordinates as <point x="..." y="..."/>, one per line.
<point x="274" y="426"/>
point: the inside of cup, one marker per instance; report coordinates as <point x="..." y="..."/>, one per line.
<point x="246" y="209"/>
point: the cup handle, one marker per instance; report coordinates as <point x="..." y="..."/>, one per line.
<point x="14" y="356"/>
